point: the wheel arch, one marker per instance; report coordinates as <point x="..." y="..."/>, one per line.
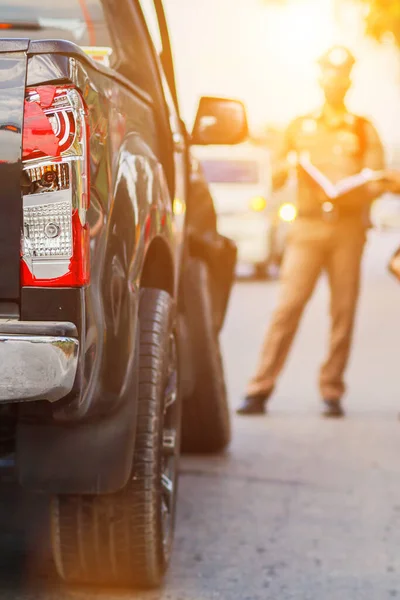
<point x="158" y="267"/>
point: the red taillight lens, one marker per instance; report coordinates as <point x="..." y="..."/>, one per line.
<point x="55" y="240"/>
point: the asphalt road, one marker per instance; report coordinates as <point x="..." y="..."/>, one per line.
<point x="300" y="507"/>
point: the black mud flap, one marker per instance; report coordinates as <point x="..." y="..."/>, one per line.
<point x="13" y="67"/>
<point x="82" y="458"/>
<point x="220" y="255"/>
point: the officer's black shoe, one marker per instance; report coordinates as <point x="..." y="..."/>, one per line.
<point x="253" y="405"/>
<point x="332" y="409"/>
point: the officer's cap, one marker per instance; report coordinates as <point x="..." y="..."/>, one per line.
<point x="338" y="58"/>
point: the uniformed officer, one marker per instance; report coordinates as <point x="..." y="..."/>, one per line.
<point x="326" y="236"/>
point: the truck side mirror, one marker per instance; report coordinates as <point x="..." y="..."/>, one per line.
<point x="220" y="121"/>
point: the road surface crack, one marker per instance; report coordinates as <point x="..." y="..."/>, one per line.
<point x="246" y="478"/>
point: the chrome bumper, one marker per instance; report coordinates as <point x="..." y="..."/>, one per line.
<point x="38" y="361"/>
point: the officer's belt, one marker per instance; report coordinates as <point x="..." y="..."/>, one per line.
<point x="336" y="214"/>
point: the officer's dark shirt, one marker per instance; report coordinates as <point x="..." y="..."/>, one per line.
<point x="339" y="146"/>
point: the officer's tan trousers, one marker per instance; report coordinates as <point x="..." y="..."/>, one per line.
<point x="314" y="247"/>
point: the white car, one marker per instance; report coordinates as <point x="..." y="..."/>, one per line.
<point x="385" y="212"/>
<point x="241" y="185"/>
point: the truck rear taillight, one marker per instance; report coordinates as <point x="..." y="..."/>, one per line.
<point x="55" y="237"/>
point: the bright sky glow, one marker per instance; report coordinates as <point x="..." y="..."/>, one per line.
<point x="267" y="57"/>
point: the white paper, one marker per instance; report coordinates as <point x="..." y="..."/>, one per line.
<point x="348" y="184"/>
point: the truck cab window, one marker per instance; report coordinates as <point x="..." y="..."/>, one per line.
<point x="71" y="20"/>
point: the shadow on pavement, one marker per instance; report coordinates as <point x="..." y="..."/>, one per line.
<point x="25" y="559"/>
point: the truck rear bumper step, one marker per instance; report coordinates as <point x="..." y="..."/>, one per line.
<point x="38" y="361"/>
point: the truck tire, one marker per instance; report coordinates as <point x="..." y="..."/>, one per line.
<point x="261" y="271"/>
<point x="125" y="539"/>
<point x="206" y="426"/>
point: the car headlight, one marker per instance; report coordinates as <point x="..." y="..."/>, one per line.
<point x="258" y="204"/>
<point x="288" y="212"/>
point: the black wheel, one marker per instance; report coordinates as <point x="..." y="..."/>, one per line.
<point x="261" y="271"/>
<point x="206" y="424"/>
<point x="125" y="539"/>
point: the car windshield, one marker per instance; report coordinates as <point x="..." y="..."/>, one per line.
<point x="79" y="21"/>
<point x="231" y="171"/>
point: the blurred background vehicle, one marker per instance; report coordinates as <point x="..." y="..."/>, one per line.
<point x="285" y="213"/>
<point x="240" y="180"/>
<point x="385" y="213"/>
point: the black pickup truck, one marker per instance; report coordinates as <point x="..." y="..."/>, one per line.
<point x="109" y="312"/>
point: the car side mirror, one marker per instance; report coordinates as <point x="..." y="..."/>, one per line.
<point x="220" y="121"/>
